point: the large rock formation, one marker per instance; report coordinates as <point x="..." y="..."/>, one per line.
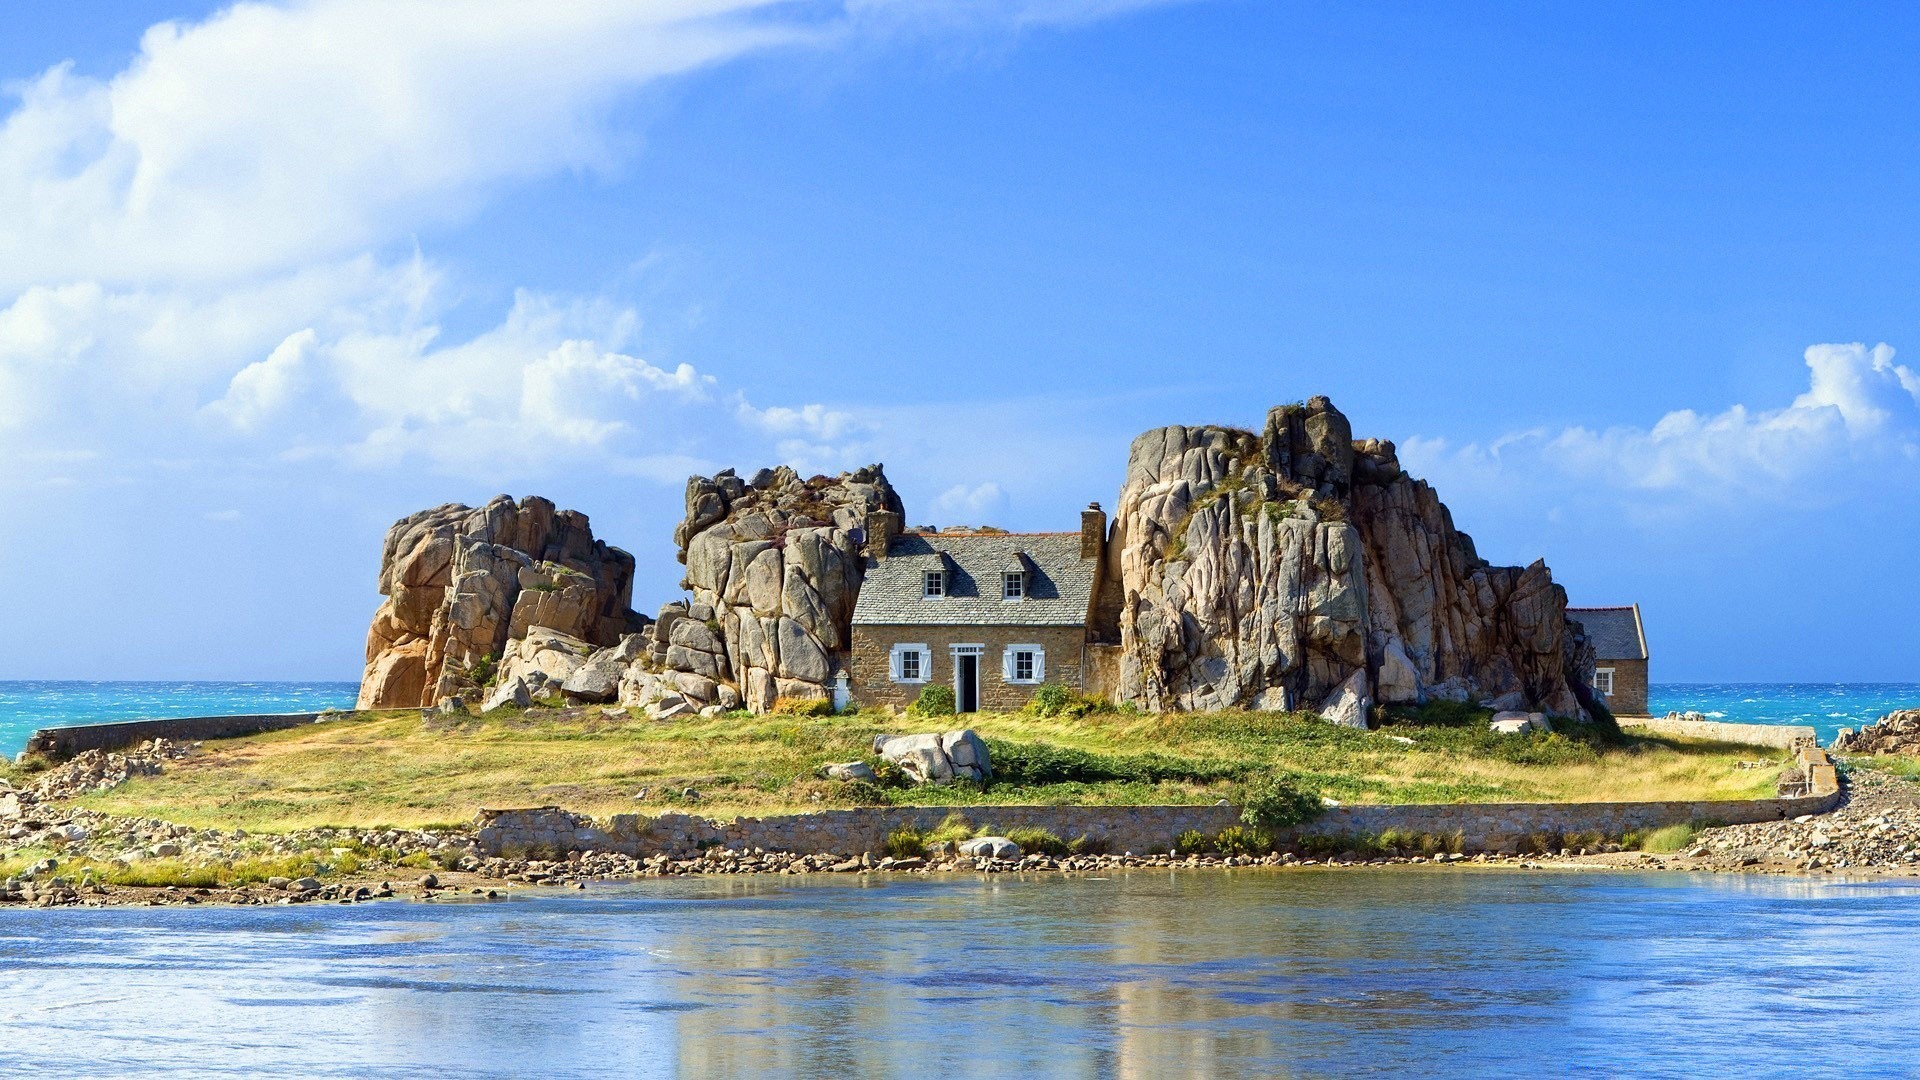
<point x="461" y="583"/>
<point x="774" y="568"/>
<point x="1298" y="569"/>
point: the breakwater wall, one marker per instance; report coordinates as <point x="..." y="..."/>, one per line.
<point x="61" y="743"/>
<point x="1779" y="736"/>
<point x="1494" y="827"/>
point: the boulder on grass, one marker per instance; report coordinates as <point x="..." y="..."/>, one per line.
<point x="514" y="693"/>
<point x="937" y="758"/>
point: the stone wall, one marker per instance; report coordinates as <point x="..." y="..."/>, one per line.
<point x="1139" y="829"/>
<point x="1779" y="736"/>
<point x="61" y="743"/>
<point x="871" y="658"/>
<point x="1629" y="697"/>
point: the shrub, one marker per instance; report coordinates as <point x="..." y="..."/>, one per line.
<point x="1191" y="841"/>
<point x="1240" y="840"/>
<point x="1055" y="699"/>
<point x="1672" y="838"/>
<point x="1051" y="699"/>
<point x="953" y="830"/>
<point x="1276" y="801"/>
<point x="1086" y="845"/>
<point x="790" y="706"/>
<point x="1035" y="841"/>
<point x="906" y="842"/>
<point x="935" y="700"/>
<point x="887" y="773"/>
<point x="1038" y="764"/>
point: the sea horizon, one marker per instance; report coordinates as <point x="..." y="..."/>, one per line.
<point x="29" y="704"/>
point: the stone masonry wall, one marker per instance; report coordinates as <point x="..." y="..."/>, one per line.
<point x="870" y="662"/>
<point x="61" y="743"/>
<point x="1629" y="697"/>
<point x="1781" y="736"/>
<point x="1139" y="829"/>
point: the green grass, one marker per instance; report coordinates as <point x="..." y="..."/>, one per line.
<point x="1670" y="839"/>
<point x="1904" y="765"/>
<point x="400" y="770"/>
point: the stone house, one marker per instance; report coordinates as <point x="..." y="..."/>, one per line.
<point x="1620" y="655"/>
<point x="992" y="614"/>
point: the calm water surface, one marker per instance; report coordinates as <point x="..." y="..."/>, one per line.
<point x="1436" y="973"/>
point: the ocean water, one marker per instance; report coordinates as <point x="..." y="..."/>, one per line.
<point x="1827" y="707"/>
<point x="27" y="705"/>
<point x="1404" y="972"/>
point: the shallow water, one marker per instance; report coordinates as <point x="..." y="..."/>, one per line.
<point x="1408" y="972"/>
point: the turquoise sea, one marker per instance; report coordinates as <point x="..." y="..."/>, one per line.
<point x="25" y="706"/>
<point x="1827" y="707"/>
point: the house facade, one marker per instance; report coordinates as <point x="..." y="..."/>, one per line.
<point x="1620" y="655"/>
<point x="993" y="615"/>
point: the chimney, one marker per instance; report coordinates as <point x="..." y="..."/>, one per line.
<point x="1093" y="532"/>
<point x="882" y="527"/>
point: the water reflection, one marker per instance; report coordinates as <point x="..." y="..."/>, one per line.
<point x="1141" y="975"/>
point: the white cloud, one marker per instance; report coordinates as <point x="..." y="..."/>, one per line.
<point x="974" y="504"/>
<point x="198" y="261"/>
<point x="1860" y="407"/>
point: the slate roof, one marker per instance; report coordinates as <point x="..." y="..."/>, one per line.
<point x="1616" y="632"/>
<point x="1059" y="586"/>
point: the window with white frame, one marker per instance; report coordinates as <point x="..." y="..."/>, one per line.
<point x="1014" y="585"/>
<point x="936" y="583"/>
<point x="910" y="663"/>
<point x="1603" y="681"/>
<point x="1024" y="664"/>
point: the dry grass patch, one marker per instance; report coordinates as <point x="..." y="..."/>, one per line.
<point x="399" y="770"/>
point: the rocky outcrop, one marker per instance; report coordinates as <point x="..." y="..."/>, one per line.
<point x="1895" y="733"/>
<point x="774" y="567"/>
<point x="937" y="758"/>
<point x="461" y="583"/>
<point x="1299" y="569"/>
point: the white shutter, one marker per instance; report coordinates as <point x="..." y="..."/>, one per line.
<point x="1006" y="663"/>
<point x="893" y="663"/>
<point x="1039" y="664"/>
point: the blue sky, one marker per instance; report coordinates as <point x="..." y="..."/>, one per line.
<point x="1617" y="281"/>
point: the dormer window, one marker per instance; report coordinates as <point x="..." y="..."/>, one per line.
<point x="1014" y="586"/>
<point x="936" y="584"/>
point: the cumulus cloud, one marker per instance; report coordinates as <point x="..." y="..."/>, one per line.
<point x="270" y="133"/>
<point x="1860" y="407"/>
<point x="973" y="504"/>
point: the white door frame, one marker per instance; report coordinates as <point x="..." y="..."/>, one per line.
<point x="977" y="652"/>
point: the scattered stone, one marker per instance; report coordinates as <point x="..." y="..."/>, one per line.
<point x="850" y="771"/>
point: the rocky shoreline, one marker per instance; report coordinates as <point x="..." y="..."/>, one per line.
<point x="1874" y="832"/>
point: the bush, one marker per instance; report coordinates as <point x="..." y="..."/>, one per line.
<point x="1276" y="801"/>
<point x="953" y="830"/>
<point x="789" y="706"/>
<point x="935" y="700"/>
<point x="1054" y="699"/>
<point x="1671" y="838"/>
<point x="906" y="842"/>
<point x="1240" y="840"/>
<point x="1034" y="841"/>
<point x="1037" y="764"/>
<point x="1191" y="842"/>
